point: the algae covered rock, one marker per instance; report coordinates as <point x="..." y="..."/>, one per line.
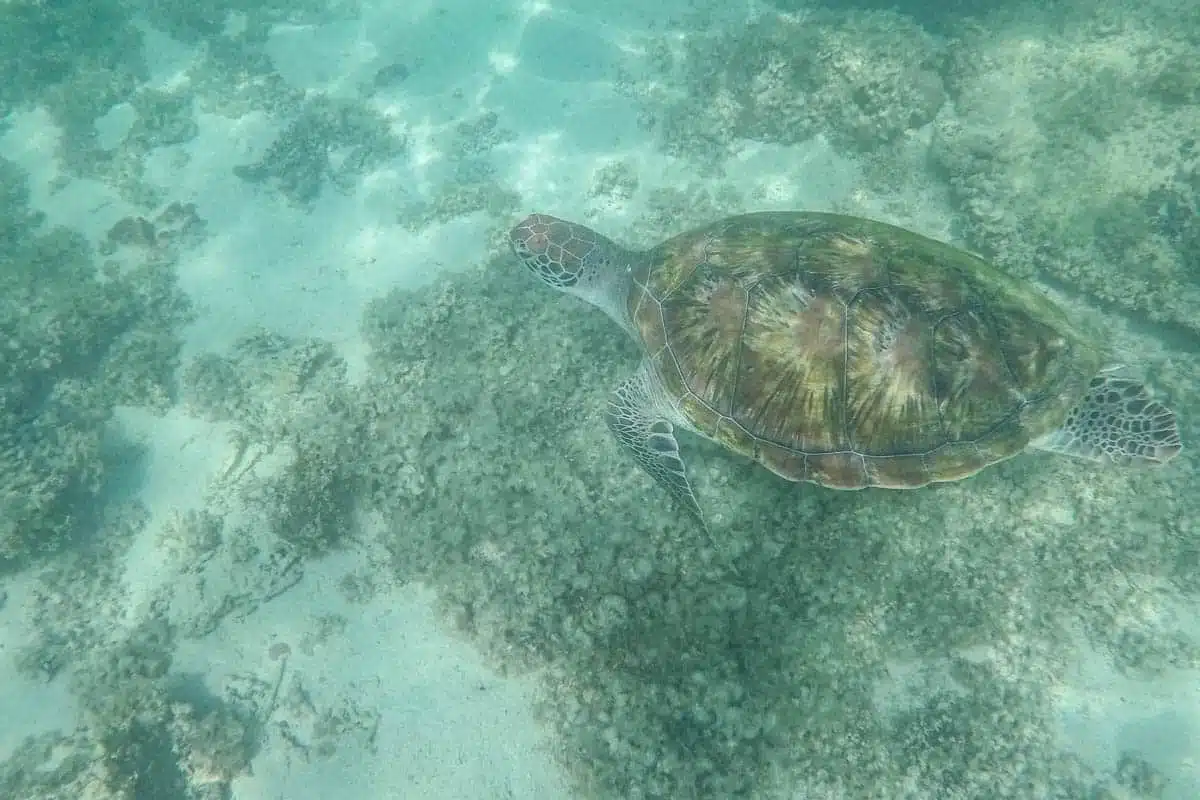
<point x="80" y="336"/>
<point x="863" y="79"/>
<point x="1074" y="157"/>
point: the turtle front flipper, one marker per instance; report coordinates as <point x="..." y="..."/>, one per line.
<point x="1116" y="421"/>
<point x="636" y="417"/>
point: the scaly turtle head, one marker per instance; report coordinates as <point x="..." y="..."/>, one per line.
<point x="577" y="260"/>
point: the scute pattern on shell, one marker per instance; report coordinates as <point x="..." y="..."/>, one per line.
<point x="853" y="353"/>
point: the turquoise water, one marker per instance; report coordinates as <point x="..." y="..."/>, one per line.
<point x="306" y="489"/>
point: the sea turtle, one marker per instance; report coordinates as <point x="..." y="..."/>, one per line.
<point x="843" y="351"/>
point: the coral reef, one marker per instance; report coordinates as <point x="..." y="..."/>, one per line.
<point x="1071" y="151"/>
<point x="143" y="731"/>
<point x="53" y="57"/>
<point x="467" y="181"/>
<point x="329" y="142"/>
<point x="290" y="400"/>
<point x="81" y="336"/>
<point x="53" y="60"/>
<point x="937" y="16"/>
<point x="863" y="79"/>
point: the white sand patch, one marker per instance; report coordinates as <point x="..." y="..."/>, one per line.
<point x="87" y="206"/>
<point x="1107" y="716"/>
<point x="31" y="706"/>
<point x="435" y="720"/>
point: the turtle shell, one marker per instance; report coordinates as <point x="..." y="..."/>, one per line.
<point x="852" y="353"/>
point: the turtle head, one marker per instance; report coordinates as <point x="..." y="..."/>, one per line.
<point x="576" y="260"/>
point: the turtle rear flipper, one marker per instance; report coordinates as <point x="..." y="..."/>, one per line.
<point x="1116" y="421"/>
<point x="636" y="418"/>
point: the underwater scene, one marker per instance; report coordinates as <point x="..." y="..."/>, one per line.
<point x="465" y="400"/>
